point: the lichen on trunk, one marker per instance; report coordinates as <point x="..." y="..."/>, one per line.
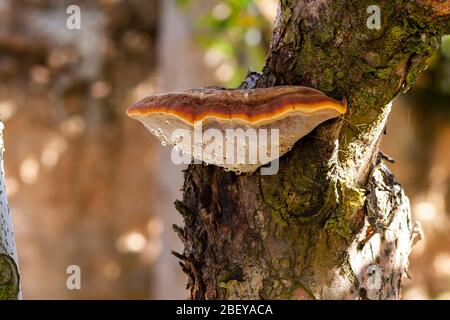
<point x="311" y="231"/>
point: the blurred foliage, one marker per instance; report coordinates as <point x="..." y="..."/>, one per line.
<point x="236" y="36"/>
<point x="432" y="90"/>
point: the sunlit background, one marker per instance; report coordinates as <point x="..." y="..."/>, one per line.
<point x="90" y="187"/>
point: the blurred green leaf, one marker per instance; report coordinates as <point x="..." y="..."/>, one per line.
<point x="237" y="30"/>
<point x="446" y="46"/>
<point x="182" y="2"/>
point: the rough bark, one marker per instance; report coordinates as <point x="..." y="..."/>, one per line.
<point x="333" y="223"/>
<point x="9" y="271"/>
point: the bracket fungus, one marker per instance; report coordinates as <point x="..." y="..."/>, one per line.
<point x="237" y="129"/>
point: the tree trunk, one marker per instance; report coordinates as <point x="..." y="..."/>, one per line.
<point x="9" y="271"/>
<point x="333" y="223"/>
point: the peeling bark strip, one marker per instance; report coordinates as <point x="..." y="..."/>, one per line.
<point x="9" y="273"/>
<point x="333" y="223"/>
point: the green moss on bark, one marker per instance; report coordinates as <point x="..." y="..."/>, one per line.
<point x="9" y="278"/>
<point x="342" y="221"/>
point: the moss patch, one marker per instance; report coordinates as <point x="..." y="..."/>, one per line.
<point x="351" y="200"/>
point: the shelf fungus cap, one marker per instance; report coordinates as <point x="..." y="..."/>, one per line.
<point x="237" y="129"/>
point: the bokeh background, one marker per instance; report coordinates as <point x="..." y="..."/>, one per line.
<point x="89" y="186"/>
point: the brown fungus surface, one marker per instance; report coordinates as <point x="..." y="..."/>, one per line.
<point x="237" y="129"/>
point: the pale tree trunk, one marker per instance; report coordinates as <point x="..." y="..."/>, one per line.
<point x="333" y="223"/>
<point x="9" y="270"/>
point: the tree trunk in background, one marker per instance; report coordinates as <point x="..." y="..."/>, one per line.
<point x="333" y="223"/>
<point x="176" y="72"/>
<point x="9" y="270"/>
